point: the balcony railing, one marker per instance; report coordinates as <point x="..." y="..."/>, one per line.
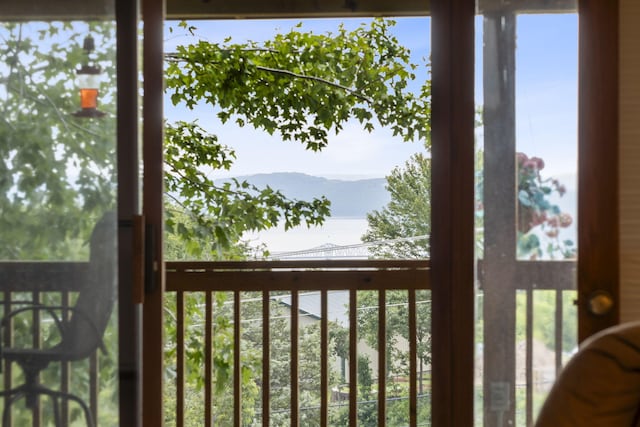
<point x="296" y="279"/>
<point x="291" y="284"/>
<point x="41" y="283"/>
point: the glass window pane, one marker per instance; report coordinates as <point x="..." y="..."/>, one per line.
<point x="333" y="164"/>
<point x="294" y="144"/>
<point x="58" y="202"/>
<point x="526" y="169"/>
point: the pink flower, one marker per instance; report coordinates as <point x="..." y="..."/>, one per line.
<point x="538" y="218"/>
<point x="521" y="158"/>
<point x="565" y="220"/>
<point x="554" y="221"/>
<point x="538" y="162"/>
<point x="552" y="233"/>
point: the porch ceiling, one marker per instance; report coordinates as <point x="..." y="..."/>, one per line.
<point x="217" y="9"/>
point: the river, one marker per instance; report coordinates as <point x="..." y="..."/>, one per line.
<point x="335" y="231"/>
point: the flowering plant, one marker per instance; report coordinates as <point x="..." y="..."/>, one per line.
<point x="537" y="215"/>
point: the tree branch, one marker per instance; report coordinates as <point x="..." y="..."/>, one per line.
<point x="177" y="57"/>
<point x="350" y="91"/>
<point x="204" y="187"/>
<point x="175" y="199"/>
<point x="207" y="187"/>
<point x="316" y="79"/>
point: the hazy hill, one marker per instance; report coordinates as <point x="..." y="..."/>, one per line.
<point x="348" y="198"/>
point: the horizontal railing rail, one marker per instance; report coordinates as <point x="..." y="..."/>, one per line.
<point x="538" y="275"/>
<point x="43" y="276"/>
<point x="296" y="275"/>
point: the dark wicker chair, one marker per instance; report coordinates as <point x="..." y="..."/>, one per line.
<point x="81" y="327"/>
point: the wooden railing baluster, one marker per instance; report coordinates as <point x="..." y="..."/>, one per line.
<point x="382" y="357"/>
<point x="266" y="351"/>
<point x="529" y="358"/>
<point x="413" y="359"/>
<point x="324" y="359"/>
<point x="35" y="319"/>
<point x="208" y="355"/>
<point x="8" y="342"/>
<point x="180" y="359"/>
<point x="559" y="319"/>
<point x="295" y="357"/>
<point x="94" y="368"/>
<point x="237" y="366"/>
<point x="64" y="368"/>
<point x="353" y="358"/>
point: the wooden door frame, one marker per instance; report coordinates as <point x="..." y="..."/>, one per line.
<point x="452" y="211"/>
<point x="452" y="151"/>
<point x="598" y="211"/>
<point x="129" y="313"/>
<point x="453" y="192"/>
<point x="140" y="361"/>
<point x="153" y="16"/>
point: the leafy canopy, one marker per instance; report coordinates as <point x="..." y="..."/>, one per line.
<point x="58" y="171"/>
<point x="301" y="86"/>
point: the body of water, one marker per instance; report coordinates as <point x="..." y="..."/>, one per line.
<point x="335" y="231"/>
<point x="343" y="231"/>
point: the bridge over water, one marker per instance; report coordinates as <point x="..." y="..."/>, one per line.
<point x="331" y="251"/>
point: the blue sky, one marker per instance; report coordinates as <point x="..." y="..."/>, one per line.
<point x="546" y="100"/>
<point x="547" y="90"/>
<point x="354" y="153"/>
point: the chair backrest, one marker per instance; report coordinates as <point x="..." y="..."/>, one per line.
<point x="600" y="386"/>
<point x="95" y="302"/>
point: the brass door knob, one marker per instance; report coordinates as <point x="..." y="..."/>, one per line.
<point x="600" y="303"/>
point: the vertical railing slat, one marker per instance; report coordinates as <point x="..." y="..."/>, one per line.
<point x="295" y="402"/>
<point x="353" y="358"/>
<point x="324" y="359"/>
<point x="413" y="359"/>
<point x="559" y="323"/>
<point x="93" y="385"/>
<point x="237" y="366"/>
<point x="64" y="366"/>
<point x="180" y="359"/>
<point x="266" y="351"/>
<point x="37" y="410"/>
<point x="382" y="357"/>
<point x="208" y="355"/>
<point x="529" y="359"/>
<point x="8" y="342"/>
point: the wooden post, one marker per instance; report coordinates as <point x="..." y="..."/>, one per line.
<point x="452" y="220"/>
<point x="153" y="210"/>
<point x="499" y="201"/>
<point x="598" y="231"/>
<point x="129" y="313"/>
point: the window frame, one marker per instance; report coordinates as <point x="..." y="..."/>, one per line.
<point x="452" y="262"/>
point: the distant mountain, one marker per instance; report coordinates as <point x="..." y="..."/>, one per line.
<point x="348" y="198"/>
